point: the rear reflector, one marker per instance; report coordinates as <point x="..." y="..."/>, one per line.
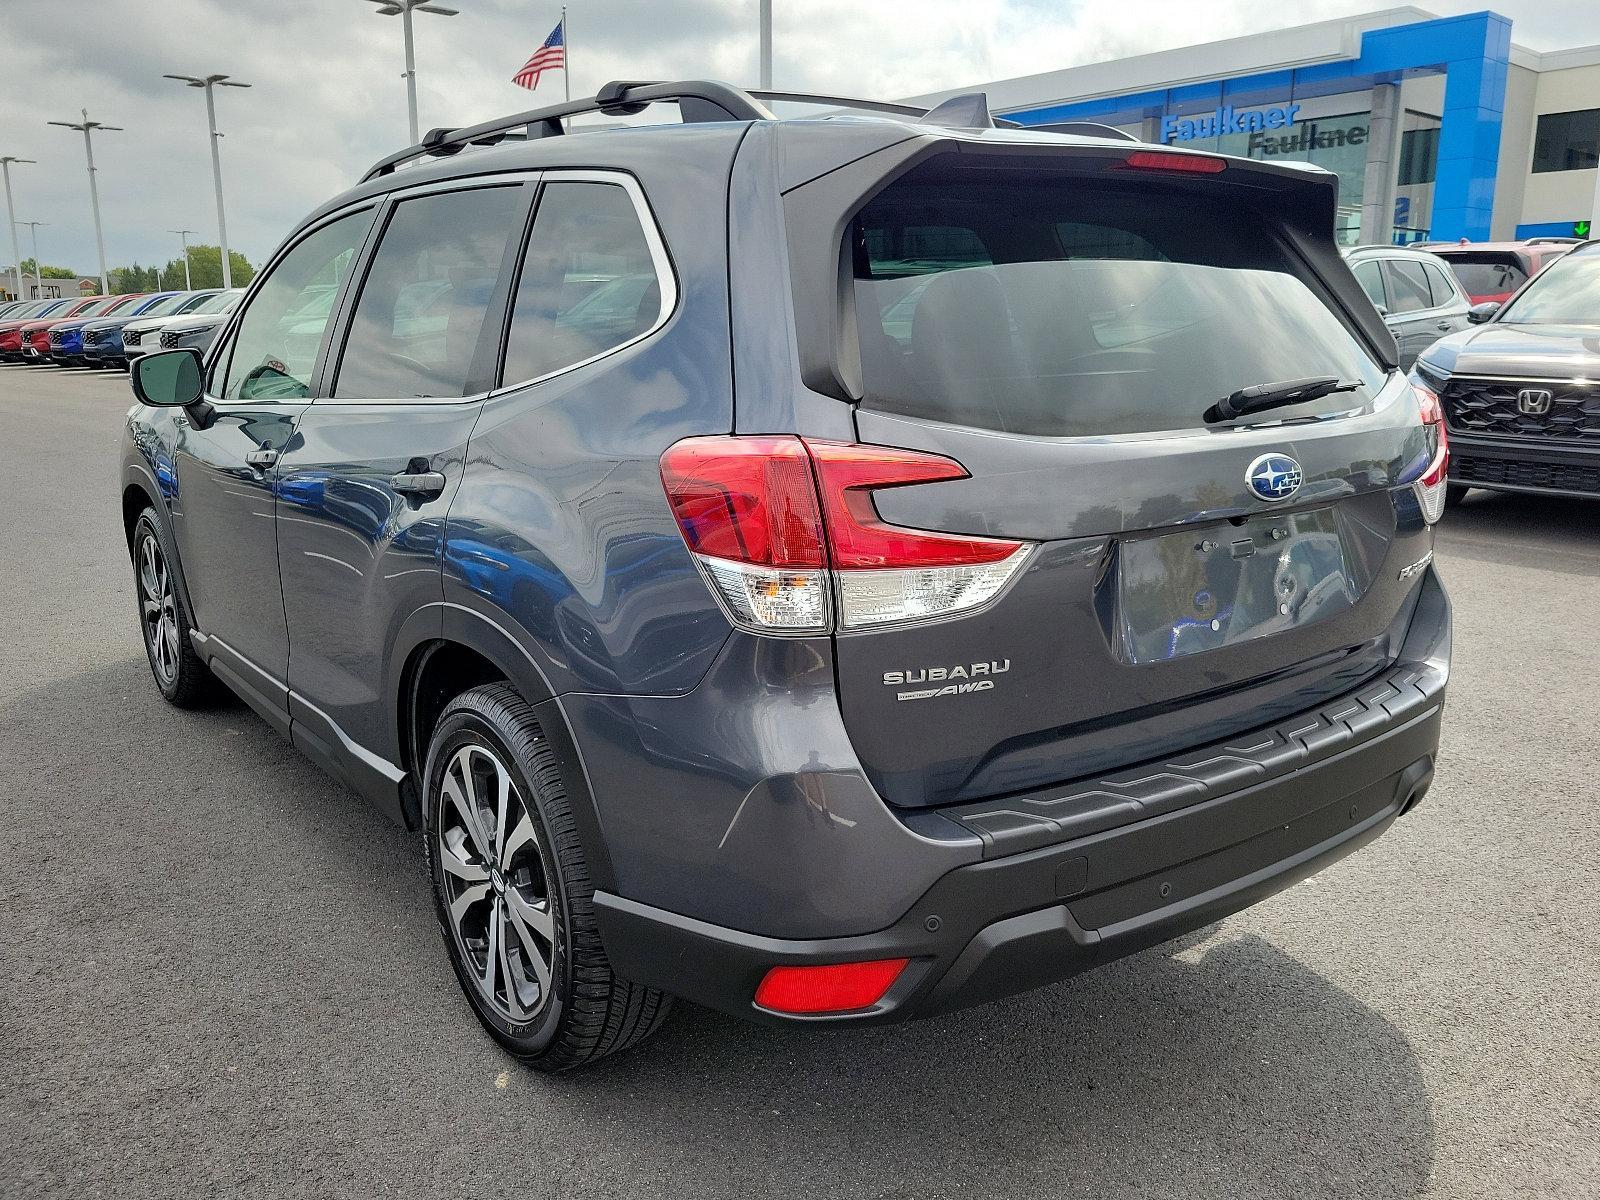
<point x="838" y="987"/>
<point x="785" y="528"/>
<point x="1162" y="160"/>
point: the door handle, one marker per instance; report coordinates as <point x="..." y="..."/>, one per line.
<point x="1444" y="326"/>
<point x="422" y="483"/>
<point x="261" y="459"/>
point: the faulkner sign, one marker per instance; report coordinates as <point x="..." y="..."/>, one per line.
<point x="1262" y="126"/>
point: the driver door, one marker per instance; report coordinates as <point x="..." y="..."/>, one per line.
<point x="224" y="513"/>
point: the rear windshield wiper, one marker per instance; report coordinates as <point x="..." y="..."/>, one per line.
<point x="1275" y="395"/>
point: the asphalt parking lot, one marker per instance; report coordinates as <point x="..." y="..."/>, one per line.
<point x="222" y="973"/>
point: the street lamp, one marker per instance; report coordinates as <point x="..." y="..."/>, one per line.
<point x="403" y="10"/>
<point x="87" y="128"/>
<point x="11" y="214"/>
<point x="183" y="235"/>
<point x="208" y="82"/>
<point x="38" y="281"/>
<point x="766" y="45"/>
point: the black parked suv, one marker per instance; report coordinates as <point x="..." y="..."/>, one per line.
<point x="831" y="569"/>
<point x="1519" y="389"/>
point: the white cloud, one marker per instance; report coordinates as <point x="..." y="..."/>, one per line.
<point x="328" y="99"/>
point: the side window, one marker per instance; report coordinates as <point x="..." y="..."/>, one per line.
<point x="1408" y="286"/>
<point x="275" y="348"/>
<point x="1371" y="280"/>
<point x="1439" y="285"/>
<point x="422" y="308"/>
<point x="588" y="281"/>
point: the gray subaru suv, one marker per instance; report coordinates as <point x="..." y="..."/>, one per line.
<point x="831" y="569"/>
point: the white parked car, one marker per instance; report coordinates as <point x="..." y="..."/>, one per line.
<point x="141" y="337"/>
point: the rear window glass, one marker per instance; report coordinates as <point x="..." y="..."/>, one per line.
<point x="1034" y="307"/>
<point x="1487" y="277"/>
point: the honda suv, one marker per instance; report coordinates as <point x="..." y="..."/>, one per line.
<point x="831" y="569"/>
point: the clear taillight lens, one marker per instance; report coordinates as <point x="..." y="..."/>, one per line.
<point x="780" y="525"/>
<point x="1434" y="482"/>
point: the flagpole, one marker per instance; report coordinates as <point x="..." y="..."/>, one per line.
<point x="566" y="53"/>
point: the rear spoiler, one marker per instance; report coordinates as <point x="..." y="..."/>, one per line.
<point x="819" y="210"/>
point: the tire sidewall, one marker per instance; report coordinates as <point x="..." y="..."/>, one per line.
<point x="469" y="726"/>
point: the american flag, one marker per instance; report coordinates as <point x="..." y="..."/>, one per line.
<point x="547" y="57"/>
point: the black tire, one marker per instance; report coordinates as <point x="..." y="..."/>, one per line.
<point x="1454" y="494"/>
<point x="183" y="679"/>
<point x="584" y="1011"/>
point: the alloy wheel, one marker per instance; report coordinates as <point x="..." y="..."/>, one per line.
<point x="496" y="889"/>
<point x="158" y="606"/>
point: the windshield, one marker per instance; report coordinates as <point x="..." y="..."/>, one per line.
<point x="98" y="307"/>
<point x="1487" y="276"/>
<point x="1091" y="309"/>
<point x="1565" y="293"/>
<point x="163" y="306"/>
<point x="189" y="304"/>
<point x="220" y="303"/>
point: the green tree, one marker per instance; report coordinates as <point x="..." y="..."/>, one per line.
<point x="48" y="272"/>
<point x="205" y="268"/>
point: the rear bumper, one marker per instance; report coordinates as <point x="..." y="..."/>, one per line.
<point x="1536" y="465"/>
<point x="1052" y="898"/>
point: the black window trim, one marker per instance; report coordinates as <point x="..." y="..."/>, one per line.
<point x="660" y="259"/>
<point x="496" y="314"/>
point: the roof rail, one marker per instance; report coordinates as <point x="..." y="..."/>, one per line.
<point x="1092" y="129"/>
<point x="1553" y="240"/>
<point x="700" y="100"/>
<point x="883" y="106"/>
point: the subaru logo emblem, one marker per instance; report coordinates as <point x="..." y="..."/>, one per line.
<point x="1273" y="477"/>
<point x="1534" y="402"/>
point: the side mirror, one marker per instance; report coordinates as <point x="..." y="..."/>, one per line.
<point x="1480" y="313"/>
<point x="168" y="378"/>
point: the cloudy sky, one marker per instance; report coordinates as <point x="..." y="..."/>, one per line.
<point x="328" y="98"/>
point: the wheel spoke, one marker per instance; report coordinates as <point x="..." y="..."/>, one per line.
<point x="453" y="858"/>
<point x="524" y="918"/>
<point x="468" y="897"/>
<point x="502" y="802"/>
<point x="460" y="795"/>
<point x="521" y="835"/>
<point x="513" y="1001"/>
<point x="491" y="957"/>
<point x="531" y="918"/>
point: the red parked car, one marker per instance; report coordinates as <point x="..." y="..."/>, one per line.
<point x="36" y="334"/>
<point x="11" y="329"/>
<point x="1493" y="270"/>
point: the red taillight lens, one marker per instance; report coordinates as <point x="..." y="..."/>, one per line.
<point x="1432" y="486"/>
<point x="746" y="499"/>
<point x="775" y="522"/>
<point x="1163" y="160"/>
<point x="838" y="987"/>
<point x="848" y="474"/>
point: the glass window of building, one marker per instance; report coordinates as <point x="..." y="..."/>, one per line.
<point x="1568" y="141"/>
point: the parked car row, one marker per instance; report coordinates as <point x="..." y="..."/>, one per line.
<point x="109" y="331"/>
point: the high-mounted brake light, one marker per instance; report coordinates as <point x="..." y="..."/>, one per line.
<point x="1434" y="483"/>
<point x="836" y="987"/>
<point x="1165" y="160"/>
<point x="784" y="528"/>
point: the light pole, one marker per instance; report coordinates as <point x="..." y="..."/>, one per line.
<point x="11" y="214"/>
<point x="38" y="281"/>
<point x="403" y="10"/>
<point x="208" y="83"/>
<point x="87" y="128"/>
<point x="183" y="235"/>
<point x="766" y="44"/>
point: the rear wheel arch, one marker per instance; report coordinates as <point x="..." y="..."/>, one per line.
<point x="442" y="668"/>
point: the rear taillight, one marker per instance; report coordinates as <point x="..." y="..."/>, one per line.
<point x="1432" y="485"/>
<point x="786" y="530"/>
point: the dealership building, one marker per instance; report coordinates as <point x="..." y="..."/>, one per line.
<point x="1439" y="128"/>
